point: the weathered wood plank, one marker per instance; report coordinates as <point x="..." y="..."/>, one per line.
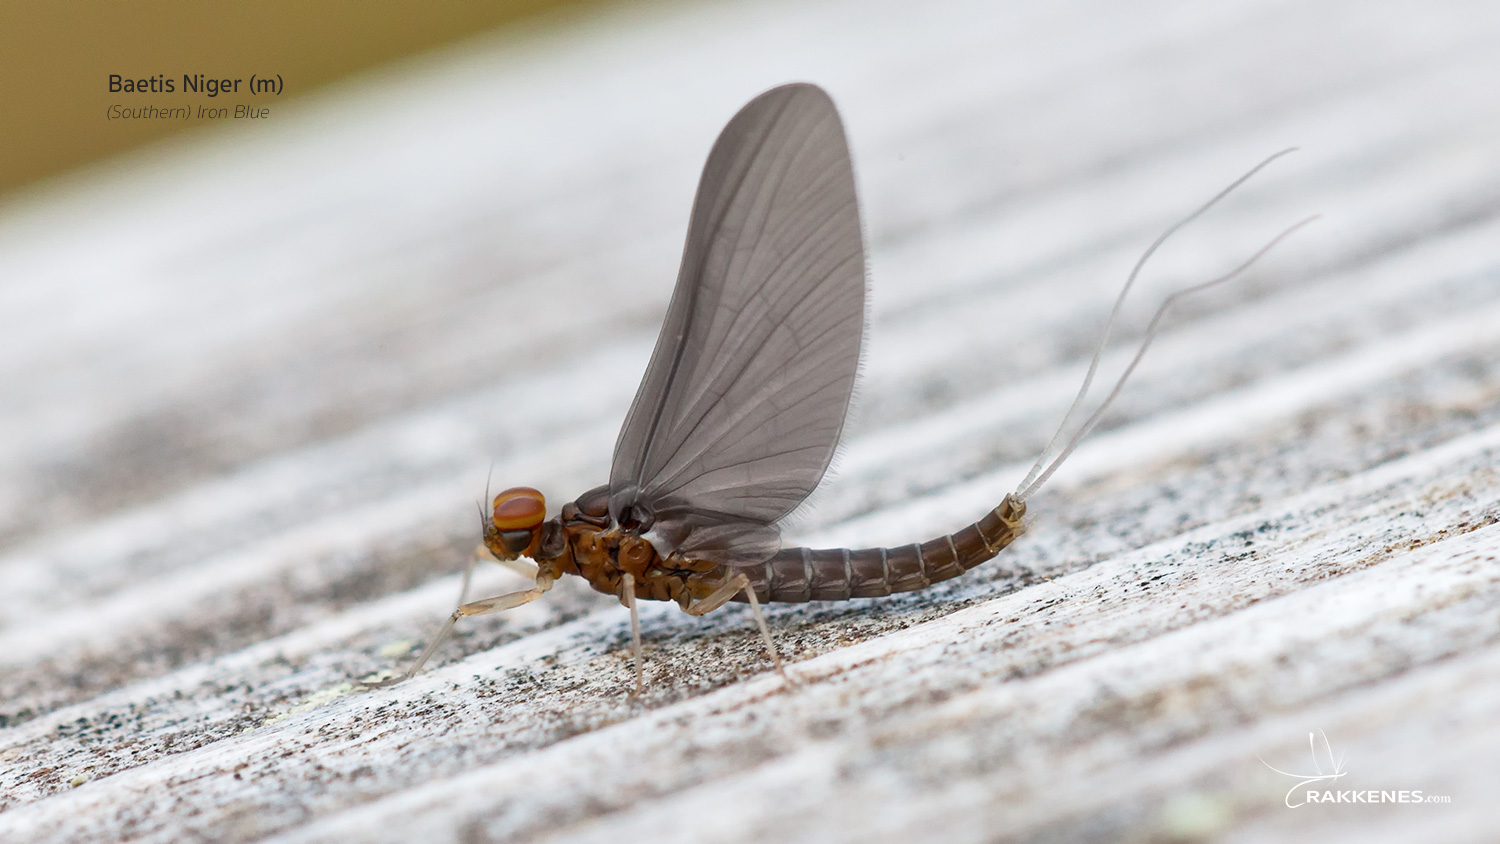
<point x="253" y="383"/>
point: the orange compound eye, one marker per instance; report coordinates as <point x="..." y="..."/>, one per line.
<point x="519" y="508"/>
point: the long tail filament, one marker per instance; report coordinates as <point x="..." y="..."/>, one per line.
<point x="1038" y="474"/>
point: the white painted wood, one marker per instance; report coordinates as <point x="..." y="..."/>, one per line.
<point x="253" y="383"/>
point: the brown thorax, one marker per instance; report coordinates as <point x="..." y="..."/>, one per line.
<point x="581" y="541"/>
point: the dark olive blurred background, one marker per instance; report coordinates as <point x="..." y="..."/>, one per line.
<point x="56" y="58"/>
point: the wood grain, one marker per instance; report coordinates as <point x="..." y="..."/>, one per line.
<point x="253" y="384"/>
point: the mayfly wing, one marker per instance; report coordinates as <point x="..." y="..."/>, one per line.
<point x="742" y="404"/>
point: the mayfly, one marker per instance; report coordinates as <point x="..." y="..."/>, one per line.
<point x="742" y="404"/>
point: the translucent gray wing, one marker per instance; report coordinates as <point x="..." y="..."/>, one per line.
<point x="742" y="404"/>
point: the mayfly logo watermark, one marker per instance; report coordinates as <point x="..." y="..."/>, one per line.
<point x="1300" y="794"/>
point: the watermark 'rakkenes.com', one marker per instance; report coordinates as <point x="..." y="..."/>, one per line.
<point x="1301" y="795"/>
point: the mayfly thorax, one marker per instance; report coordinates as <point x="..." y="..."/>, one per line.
<point x="742" y="404"/>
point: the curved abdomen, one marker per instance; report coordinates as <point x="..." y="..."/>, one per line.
<point x="794" y="575"/>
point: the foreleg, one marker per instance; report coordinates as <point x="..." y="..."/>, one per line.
<point x="484" y="607"/>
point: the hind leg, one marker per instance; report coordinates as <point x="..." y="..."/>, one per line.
<point x="721" y="596"/>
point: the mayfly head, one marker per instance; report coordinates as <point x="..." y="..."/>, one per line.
<point x="514" y="528"/>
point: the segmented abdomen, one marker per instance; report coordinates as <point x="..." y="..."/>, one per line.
<point x="837" y="574"/>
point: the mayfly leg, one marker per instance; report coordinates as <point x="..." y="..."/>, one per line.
<point x="520" y="566"/>
<point x="486" y="606"/>
<point x="627" y="594"/>
<point x="765" y="633"/>
<point x="726" y="592"/>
